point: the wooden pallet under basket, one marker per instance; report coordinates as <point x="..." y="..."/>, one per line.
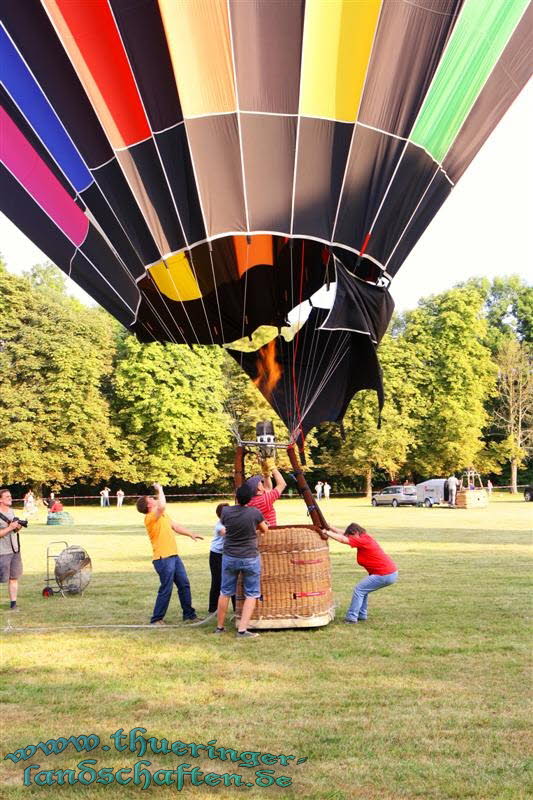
<point x="295" y="580"/>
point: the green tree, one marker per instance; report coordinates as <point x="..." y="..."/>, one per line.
<point x="168" y="400"/>
<point x="55" y="355"/>
<point x="366" y="447"/>
<point x="508" y="307"/>
<point x="455" y="375"/>
<point x="512" y="411"/>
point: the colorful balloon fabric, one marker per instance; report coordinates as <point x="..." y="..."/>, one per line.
<point x="202" y="168"/>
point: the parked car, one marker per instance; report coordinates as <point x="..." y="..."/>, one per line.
<point x="528" y="493"/>
<point x="395" y="496"/>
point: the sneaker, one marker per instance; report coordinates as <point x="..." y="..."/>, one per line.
<point x="219" y="630"/>
<point x="158" y="622"/>
<point x="193" y="619"/>
<point x="350" y="621"/>
<point x="247" y="635"/>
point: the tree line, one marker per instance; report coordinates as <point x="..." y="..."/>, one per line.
<point x="83" y="402"/>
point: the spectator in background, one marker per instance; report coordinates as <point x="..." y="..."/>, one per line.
<point x="57" y="505"/>
<point x="489" y="486"/>
<point x="318" y="490"/>
<point x="120" y="497"/>
<point x="327" y="490"/>
<point x="49" y="501"/>
<point x="29" y="503"/>
<point x="104" y="496"/>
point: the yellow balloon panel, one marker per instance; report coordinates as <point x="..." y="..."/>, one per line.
<point x="175" y="279"/>
<point x="338" y="36"/>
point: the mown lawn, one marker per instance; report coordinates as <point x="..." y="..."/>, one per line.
<point x="429" y="699"/>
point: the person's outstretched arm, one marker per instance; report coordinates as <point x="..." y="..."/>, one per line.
<point x="177" y="528"/>
<point x="161" y="500"/>
<point x="337" y="534"/>
<point x="281" y="483"/>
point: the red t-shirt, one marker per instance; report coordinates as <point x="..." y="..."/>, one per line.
<point x="265" y="503"/>
<point x="371" y="556"/>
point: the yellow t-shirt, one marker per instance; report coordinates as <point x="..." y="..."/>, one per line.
<point x="161" y="535"/>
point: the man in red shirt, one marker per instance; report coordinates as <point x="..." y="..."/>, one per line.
<point x="264" y="496"/>
<point x="382" y="571"/>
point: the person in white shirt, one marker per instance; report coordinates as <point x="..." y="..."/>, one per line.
<point x="453" y="485"/>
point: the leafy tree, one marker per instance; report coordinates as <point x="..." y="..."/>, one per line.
<point x="47" y="278"/>
<point x="55" y="354"/>
<point x="366" y="447"/>
<point x="168" y="401"/>
<point x="454" y="375"/>
<point x="508" y="307"/>
<point x="513" y="407"/>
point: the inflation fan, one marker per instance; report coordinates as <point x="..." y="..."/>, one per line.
<point x="72" y="569"/>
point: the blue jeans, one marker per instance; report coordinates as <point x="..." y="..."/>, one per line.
<point x="251" y="575"/>
<point x="171" y="571"/>
<point x="359" y="605"/>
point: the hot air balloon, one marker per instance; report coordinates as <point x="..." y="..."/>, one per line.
<point x="208" y="170"/>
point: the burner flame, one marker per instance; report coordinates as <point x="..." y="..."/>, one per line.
<point x="268" y="369"/>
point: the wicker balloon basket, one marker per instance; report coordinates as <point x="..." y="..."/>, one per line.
<point x="295" y="580"/>
<point x="472" y="498"/>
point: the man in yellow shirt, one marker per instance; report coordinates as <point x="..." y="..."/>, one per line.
<point x="167" y="563"/>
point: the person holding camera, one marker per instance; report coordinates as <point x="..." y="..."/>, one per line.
<point x="10" y="558"/>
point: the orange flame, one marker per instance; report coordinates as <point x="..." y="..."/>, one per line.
<point x="268" y="369"/>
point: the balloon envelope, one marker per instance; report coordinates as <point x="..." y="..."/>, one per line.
<point x="202" y="169"/>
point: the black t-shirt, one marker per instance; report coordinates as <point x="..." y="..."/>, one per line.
<point x="241" y="523"/>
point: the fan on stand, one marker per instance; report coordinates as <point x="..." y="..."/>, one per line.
<point x="72" y="570"/>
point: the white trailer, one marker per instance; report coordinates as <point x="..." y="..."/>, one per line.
<point x="432" y="493"/>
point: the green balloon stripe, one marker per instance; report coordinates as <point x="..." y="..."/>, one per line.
<point x="476" y="44"/>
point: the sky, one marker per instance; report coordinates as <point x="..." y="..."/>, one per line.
<point x="483" y="229"/>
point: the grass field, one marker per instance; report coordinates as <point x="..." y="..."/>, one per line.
<point x="428" y="699"/>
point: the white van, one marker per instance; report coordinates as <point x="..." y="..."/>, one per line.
<point x="432" y="493"/>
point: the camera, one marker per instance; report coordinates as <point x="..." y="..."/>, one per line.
<point x="22" y="522"/>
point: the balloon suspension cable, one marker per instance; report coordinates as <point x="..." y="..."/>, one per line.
<point x="233" y="423"/>
<point x="295" y="352"/>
